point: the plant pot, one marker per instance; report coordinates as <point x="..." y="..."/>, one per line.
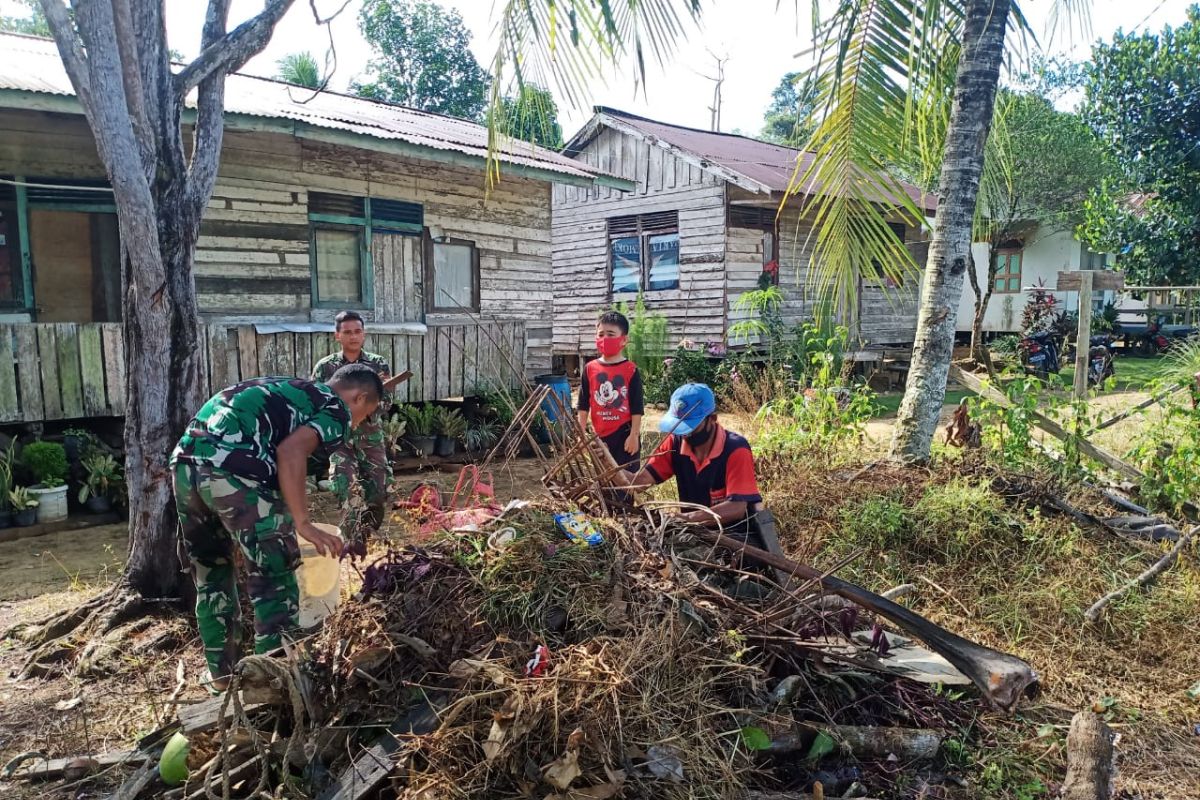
<point x="52" y="503"/>
<point x="423" y="445"/>
<point x="6" y="519"/>
<point x="23" y="519"/>
<point x="98" y="504"/>
<point x="444" y="447"/>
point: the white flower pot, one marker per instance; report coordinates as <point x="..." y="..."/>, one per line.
<point x="52" y="503"/>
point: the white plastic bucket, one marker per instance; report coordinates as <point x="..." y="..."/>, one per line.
<point x="52" y="503"/>
<point x="319" y="578"/>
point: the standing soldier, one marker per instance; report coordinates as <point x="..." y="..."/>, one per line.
<point x="239" y="474"/>
<point x="364" y="456"/>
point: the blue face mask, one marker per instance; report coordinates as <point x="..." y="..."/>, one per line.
<point x="700" y="436"/>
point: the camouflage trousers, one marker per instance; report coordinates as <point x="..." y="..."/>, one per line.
<point x="362" y="461"/>
<point x="219" y="512"/>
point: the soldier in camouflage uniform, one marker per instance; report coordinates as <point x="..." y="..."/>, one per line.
<point x="364" y="456"/>
<point x="239" y="474"/>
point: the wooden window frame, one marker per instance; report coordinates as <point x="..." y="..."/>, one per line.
<point x="366" y="272"/>
<point x="643" y="234"/>
<point x="367" y="224"/>
<point x="431" y="305"/>
<point x="1007" y="252"/>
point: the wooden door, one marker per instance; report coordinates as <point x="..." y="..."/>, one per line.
<point x="399" y="295"/>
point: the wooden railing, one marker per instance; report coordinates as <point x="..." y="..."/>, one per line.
<point x="53" y="371"/>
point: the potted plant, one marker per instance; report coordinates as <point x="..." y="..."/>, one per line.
<point x="393" y="430"/>
<point x="481" y="438"/>
<point x="74" y="440"/>
<point x="7" y="459"/>
<point x="451" y="426"/>
<point x="418" y="422"/>
<point x="24" y="507"/>
<point x="47" y="461"/>
<point x="103" y="476"/>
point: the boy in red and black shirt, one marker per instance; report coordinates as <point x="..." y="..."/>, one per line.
<point x="610" y="394"/>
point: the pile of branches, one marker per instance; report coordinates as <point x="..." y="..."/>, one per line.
<point x="513" y="662"/>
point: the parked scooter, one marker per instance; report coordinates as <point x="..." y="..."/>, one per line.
<point x="1101" y="365"/>
<point x="1040" y="354"/>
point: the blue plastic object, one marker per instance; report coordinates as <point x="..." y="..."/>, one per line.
<point x="579" y="529"/>
<point x="559" y="386"/>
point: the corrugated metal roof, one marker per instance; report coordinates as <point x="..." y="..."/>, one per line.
<point x="764" y="163"/>
<point x="32" y="64"/>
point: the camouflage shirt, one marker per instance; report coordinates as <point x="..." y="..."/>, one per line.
<point x="240" y="427"/>
<point x="330" y="364"/>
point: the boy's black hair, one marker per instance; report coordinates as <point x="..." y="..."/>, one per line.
<point x="615" y="318"/>
<point x="347" y="316"/>
<point x="359" y="376"/>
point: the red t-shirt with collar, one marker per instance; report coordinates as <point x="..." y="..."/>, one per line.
<point x="727" y="473"/>
<point x="611" y="394"/>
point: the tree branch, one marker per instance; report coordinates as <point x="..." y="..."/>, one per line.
<point x="70" y="48"/>
<point x="233" y="49"/>
<point x="209" y="131"/>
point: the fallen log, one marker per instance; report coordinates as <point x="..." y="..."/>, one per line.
<point x="865" y="743"/>
<point x="1003" y="679"/>
<point x="1089" y="759"/>
<point x="1094" y="613"/>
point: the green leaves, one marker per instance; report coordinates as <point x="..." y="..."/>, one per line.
<point x="422" y="58"/>
<point x="755" y="738"/>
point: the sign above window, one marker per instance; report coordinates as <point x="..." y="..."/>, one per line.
<point x="644" y="252"/>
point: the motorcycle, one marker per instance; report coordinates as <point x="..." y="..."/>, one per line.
<point x="1153" y="341"/>
<point x="1101" y="365"/>
<point x="1040" y="355"/>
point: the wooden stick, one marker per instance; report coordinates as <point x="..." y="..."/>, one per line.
<point x="1094" y="613"/>
<point x="1048" y="425"/>
<point x="1158" y="398"/>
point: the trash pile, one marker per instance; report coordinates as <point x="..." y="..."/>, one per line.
<point x="551" y="654"/>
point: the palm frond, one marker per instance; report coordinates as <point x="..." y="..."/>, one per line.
<point x="568" y="44"/>
<point x="874" y="60"/>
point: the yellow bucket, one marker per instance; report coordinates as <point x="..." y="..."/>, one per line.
<point x="319" y="578"/>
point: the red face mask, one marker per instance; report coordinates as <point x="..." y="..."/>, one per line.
<point x="610" y="346"/>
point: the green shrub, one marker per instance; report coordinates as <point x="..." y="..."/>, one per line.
<point x="953" y="517"/>
<point x="647" y="338"/>
<point x="684" y="366"/>
<point x="47" y="461"/>
<point x="881" y="523"/>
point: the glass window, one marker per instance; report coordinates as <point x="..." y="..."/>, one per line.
<point x="338" y="266"/>
<point x="664" y="261"/>
<point x="1008" y="272"/>
<point x="454" y="276"/>
<point x="627" y="264"/>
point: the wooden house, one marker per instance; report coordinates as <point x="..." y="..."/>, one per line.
<point x="699" y="228"/>
<point x="324" y="202"/>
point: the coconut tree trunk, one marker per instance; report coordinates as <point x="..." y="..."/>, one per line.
<point x="984" y="27"/>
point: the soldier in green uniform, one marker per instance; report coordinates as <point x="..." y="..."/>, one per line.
<point x="364" y="456"/>
<point x="239" y="474"/>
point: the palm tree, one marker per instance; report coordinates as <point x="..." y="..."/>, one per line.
<point x="877" y="62"/>
<point x="300" y="69"/>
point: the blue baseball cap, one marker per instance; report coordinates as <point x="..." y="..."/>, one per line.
<point x="691" y="404"/>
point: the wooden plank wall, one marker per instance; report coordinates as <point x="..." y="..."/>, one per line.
<point x="59" y="371"/>
<point x="696" y="310"/>
<point x="252" y="261"/>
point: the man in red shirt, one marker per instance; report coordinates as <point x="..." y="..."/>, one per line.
<point x="713" y="467"/>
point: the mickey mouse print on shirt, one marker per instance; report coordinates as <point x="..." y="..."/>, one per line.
<point x="611" y="393"/>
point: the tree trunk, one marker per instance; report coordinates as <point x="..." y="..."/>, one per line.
<point x="164" y="390"/>
<point x="950" y="250"/>
<point x="982" y="299"/>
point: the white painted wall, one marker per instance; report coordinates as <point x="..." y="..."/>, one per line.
<point x="1045" y="255"/>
